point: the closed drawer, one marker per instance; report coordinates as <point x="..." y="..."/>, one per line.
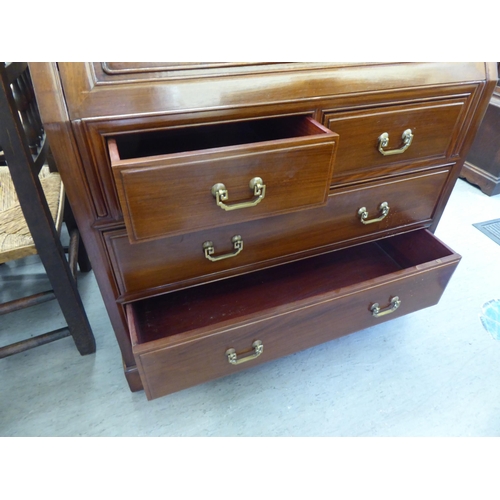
<point x="433" y="129"/>
<point x="181" y="180"/>
<point x="181" y="260"/>
<point x="189" y="337"/>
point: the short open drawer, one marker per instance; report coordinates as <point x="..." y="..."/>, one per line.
<point x="202" y="333"/>
<point x="180" y="180"/>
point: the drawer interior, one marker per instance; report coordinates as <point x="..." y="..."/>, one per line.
<point x="214" y="135"/>
<point x="242" y="296"/>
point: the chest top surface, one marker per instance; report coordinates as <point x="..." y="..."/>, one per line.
<point x="96" y="90"/>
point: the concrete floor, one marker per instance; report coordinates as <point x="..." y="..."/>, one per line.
<point x="435" y="372"/>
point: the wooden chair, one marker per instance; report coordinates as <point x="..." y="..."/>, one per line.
<point x="32" y="207"/>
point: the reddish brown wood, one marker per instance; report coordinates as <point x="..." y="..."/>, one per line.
<point x="92" y="134"/>
<point x="84" y="105"/>
<point x="88" y="95"/>
<point x="188" y="332"/>
<point x="165" y="194"/>
<point x="434" y="124"/>
<point x="180" y="260"/>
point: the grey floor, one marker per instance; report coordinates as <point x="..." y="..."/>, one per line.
<point x="435" y="372"/>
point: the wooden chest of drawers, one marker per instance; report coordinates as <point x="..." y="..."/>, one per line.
<point x="239" y="212"/>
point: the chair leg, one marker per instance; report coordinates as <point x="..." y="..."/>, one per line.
<point x="81" y="253"/>
<point x="65" y="289"/>
<point x="83" y="258"/>
<point x="56" y="265"/>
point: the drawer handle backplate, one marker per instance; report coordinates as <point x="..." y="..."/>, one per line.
<point x="394" y="304"/>
<point x="383" y="210"/>
<point x="232" y="356"/>
<point x="221" y="195"/>
<point x="209" y="249"/>
<point x="383" y="142"/>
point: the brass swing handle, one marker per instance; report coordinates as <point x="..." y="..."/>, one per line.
<point x="378" y="312"/>
<point x="221" y="195"/>
<point x="232" y="356"/>
<point x="383" y="210"/>
<point x="383" y="142"/>
<point x="209" y="249"/>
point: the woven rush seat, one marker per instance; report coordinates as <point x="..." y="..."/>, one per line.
<point x="16" y="240"/>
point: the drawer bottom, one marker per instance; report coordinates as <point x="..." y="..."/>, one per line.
<point x="191" y="336"/>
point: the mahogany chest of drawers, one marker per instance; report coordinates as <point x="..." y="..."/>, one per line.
<point x="239" y="212"/>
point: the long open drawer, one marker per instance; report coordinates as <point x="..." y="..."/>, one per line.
<point x="194" y="335"/>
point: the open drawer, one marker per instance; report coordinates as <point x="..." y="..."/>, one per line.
<point x="194" y="335"/>
<point x="180" y="180"/>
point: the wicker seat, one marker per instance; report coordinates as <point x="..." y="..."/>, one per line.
<point x="16" y="240"/>
<point x="32" y="209"/>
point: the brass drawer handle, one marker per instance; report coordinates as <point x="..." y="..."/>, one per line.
<point x="377" y="312"/>
<point x="363" y="213"/>
<point x="221" y="195"/>
<point x="209" y="249"/>
<point x="383" y="141"/>
<point x="232" y="356"/>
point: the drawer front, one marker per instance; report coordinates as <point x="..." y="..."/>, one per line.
<point x="187" y="191"/>
<point x="183" y="360"/>
<point x="171" y="261"/>
<point x="433" y="129"/>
